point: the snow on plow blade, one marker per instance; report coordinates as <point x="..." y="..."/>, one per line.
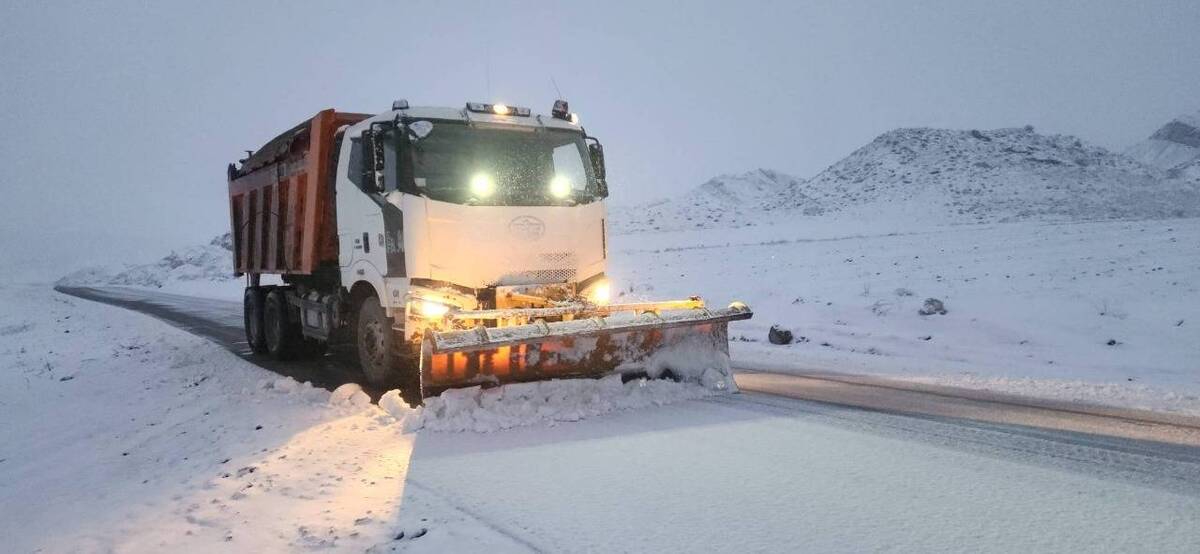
<point x="629" y="343"/>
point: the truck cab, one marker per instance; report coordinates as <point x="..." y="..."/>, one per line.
<point x="437" y="204"/>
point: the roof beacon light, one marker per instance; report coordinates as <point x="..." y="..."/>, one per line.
<point x="560" y="110"/>
<point x="400" y="104"/>
<point x="497" y="109"/>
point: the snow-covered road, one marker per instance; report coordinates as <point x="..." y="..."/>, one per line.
<point x="266" y="471"/>
<point x="220" y="320"/>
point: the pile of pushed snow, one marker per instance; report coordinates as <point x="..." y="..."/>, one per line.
<point x="699" y="369"/>
<point x="724" y="201"/>
<point x="211" y="262"/>
<point x="523" y="404"/>
<point x="1174" y="147"/>
<point x="949" y="176"/>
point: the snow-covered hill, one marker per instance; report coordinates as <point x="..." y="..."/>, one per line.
<point x="730" y="200"/>
<point x="939" y="176"/>
<point x="196" y="267"/>
<point x="999" y="175"/>
<point x="1174" y="147"/>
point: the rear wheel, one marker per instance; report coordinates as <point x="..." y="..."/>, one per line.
<point x="252" y="315"/>
<point x="381" y="352"/>
<point x="280" y="333"/>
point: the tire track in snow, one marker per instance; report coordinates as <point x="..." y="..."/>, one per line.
<point x="1163" y="466"/>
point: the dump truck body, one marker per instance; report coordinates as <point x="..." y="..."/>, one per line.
<point x="281" y="201"/>
<point x="452" y="247"/>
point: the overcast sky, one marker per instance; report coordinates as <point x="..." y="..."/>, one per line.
<point x="119" y="118"/>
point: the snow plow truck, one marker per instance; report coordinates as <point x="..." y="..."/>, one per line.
<point x="451" y="247"/>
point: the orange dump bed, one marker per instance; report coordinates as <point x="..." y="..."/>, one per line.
<point x="281" y="200"/>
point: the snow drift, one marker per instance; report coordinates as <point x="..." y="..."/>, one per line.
<point x="542" y="402"/>
<point x="731" y="200"/>
<point x="204" y="264"/>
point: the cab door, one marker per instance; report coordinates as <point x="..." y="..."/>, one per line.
<point x="360" y="218"/>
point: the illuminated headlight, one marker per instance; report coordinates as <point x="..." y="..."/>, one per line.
<point x="599" y="293"/>
<point x="573" y="118"/>
<point x="482" y="185"/>
<point x="560" y="187"/>
<point x="429" y="309"/>
<point x="500" y="109"/>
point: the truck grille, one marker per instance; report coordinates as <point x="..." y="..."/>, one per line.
<point x="537" y="277"/>
<point x="552" y="267"/>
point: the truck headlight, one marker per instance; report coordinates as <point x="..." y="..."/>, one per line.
<point x="600" y="293"/>
<point x="482" y="185"/>
<point x="429" y="309"/>
<point x="560" y="187"/>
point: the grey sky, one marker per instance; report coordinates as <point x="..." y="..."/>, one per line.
<point x="119" y="118"/>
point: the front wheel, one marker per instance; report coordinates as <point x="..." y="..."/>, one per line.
<point x="378" y="346"/>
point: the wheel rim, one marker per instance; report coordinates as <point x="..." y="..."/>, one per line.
<point x="373" y="344"/>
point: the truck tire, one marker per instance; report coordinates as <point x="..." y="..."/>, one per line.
<point x="280" y="333"/>
<point x="379" y="349"/>
<point x="252" y="316"/>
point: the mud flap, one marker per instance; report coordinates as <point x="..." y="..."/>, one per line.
<point x="689" y="344"/>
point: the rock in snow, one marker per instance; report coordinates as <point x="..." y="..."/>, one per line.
<point x="932" y="306"/>
<point x="778" y="335"/>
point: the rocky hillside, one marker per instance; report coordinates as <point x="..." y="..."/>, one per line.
<point x="734" y="200"/>
<point x="940" y="176"/>
<point x="1174" y="148"/>
<point x="206" y="262"/>
<point x="999" y="175"/>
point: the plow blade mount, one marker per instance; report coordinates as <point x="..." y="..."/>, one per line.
<point x="646" y="343"/>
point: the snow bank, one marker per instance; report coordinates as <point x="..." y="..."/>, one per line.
<point x="199" y="270"/>
<point x="524" y="404"/>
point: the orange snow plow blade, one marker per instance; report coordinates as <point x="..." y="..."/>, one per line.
<point x="638" y="342"/>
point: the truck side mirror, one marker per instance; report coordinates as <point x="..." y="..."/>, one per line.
<point x="372" y="169"/>
<point x="597" y="154"/>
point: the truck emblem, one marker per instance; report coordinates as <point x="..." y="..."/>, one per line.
<point x="526" y="227"/>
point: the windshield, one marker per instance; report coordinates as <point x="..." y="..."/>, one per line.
<point x="513" y="166"/>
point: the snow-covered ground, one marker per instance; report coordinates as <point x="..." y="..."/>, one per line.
<point x="122" y="434"/>
<point x="1101" y="312"/>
